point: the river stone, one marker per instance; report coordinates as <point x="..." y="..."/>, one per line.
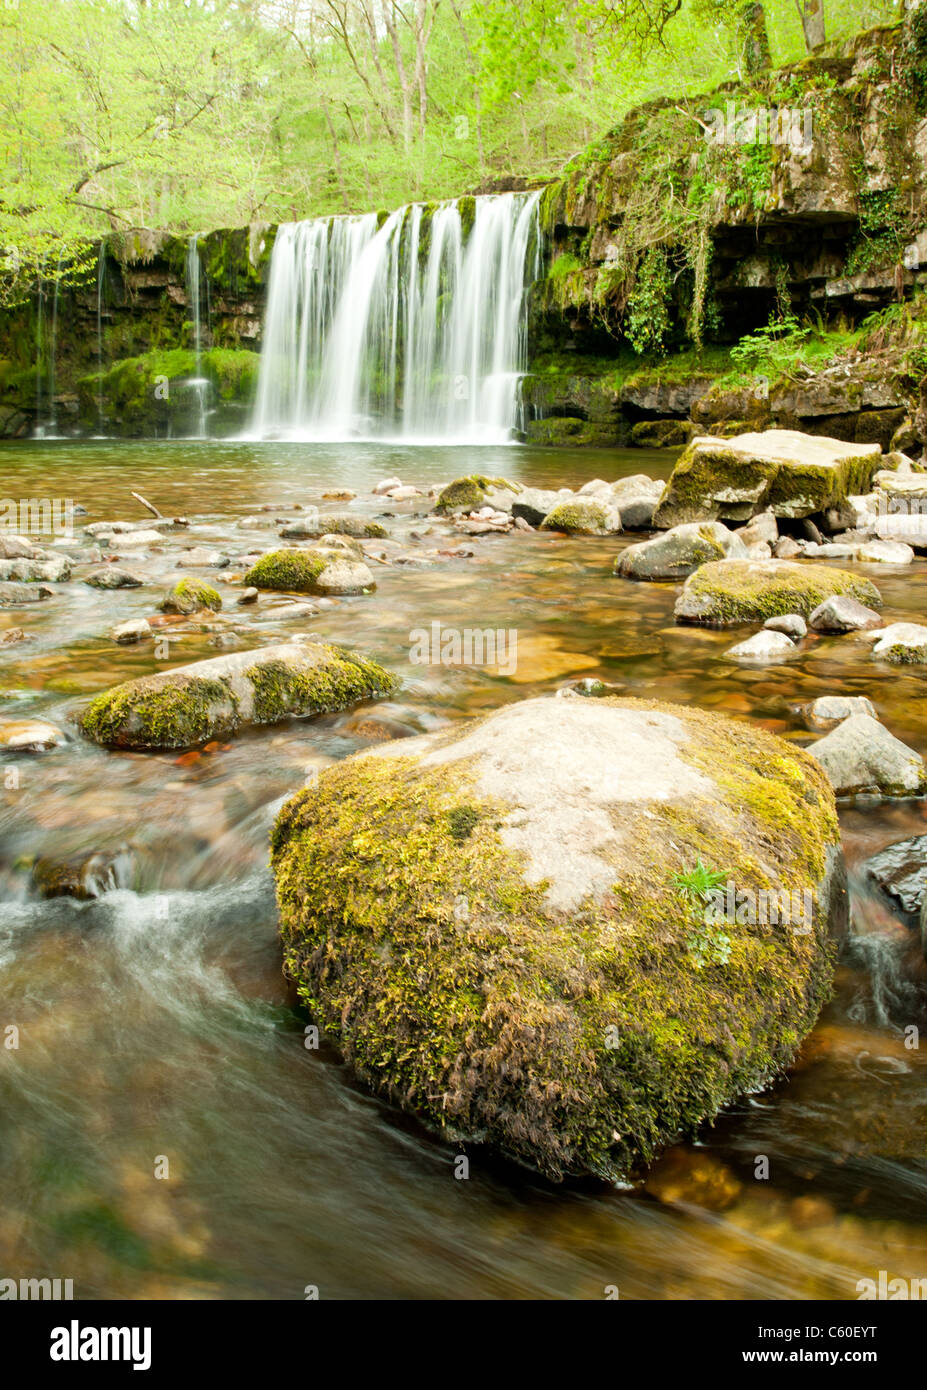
<point x="17" y="548"/>
<point x="533" y="503"/>
<point x="828" y="710"/>
<point x="763" y="527"/>
<point x="191" y="596"/>
<point x="903" y="644"/>
<point x="344" y="576"/>
<point x="477" y="490"/>
<point x="135" y="630"/>
<point x="792" y="624"/>
<point x="13" y="594"/>
<point x="886" y="553"/>
<point x="112" y="577"/>
<point x="900" y="870"/>
<point x="496" y="941"/>
<point x="136" y="540"/>
<point x="782" y="471"/>
<point x="314" y="571"/>
<point x="763" y="646"/>
<point x="584" y="516"/>
<point x="842" y="614"/>
<point x="724" y="592"/>
<point x="637" y="499"/>
<point x="29" y="735"/>
<point x="678" y="553"/>
<point x="193" y="704"/>
<point x="54" y="571"/>
<point x="860" y="755"/>
<point x="338" y="523"/>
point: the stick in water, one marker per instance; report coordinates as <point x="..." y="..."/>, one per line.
<point x="139" y="498"/>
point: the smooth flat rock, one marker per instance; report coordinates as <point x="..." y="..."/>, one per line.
<point x="725" y="592"/>
<point x="828" y="710"/>
<point x="29" y="735"/>
<point x="900" y="870"/>
<point x="762" y="647"/>
<point x="840" y="613"/>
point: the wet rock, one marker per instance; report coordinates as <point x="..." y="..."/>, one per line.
<point x="520" y="925"/>
<point x="112" y="577"/>
<point x="190" y="705"/>
<point x="248" y="595"/>
<point x="843" y="614"/>
<point x="763" y="527"/>
<point x="786" y="548"/>
<point x="886" y="553"/>
<point x="678" y="553"/>
<point x="313" y="571"/>
<point x="693" y="1177"/>
<point x="255" y="523"/>
<point x="342" y="525"/>
<point x="861" y="756"/>
<point x="533" y="503"/>
<point x="191" y="596"/>
<point x="85" y="877"/>
<point x="17" y="548"/>
<point x="477" y="490"/>
<point x="137" y="540"/>
<point x="762" y="647"/>
<point x="135" y="630"/>
<point x="56" y="571"/>
<point x="903" y="644"/>
<point x="386" y="485"/>
<point x="200" y="556"/>
<point x="725" y="592"/>
<point x="29" y="735"/>
<point x="782" y="471"/>
<point x="12" y="637"/>
<point x="829" y="710"/>
<point x="586" y="516"/>
<point x="12" y="594"/>
<point x="792" y="624"/>
<point x="404" y="494"/>
<point x="900" y="872"/>
<point x="637" y="499"/>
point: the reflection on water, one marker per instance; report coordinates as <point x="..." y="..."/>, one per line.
<point x="154" y="1023"/>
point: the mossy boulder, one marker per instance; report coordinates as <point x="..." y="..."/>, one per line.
<point x="723" y="593"/>
<point x="661" y="434"/>
<point x="679" y="552"/>
<point x="470" y="493"/>
<point x="316" y="571"/>
<point x="213" y="699"/>
<point x="564" y="431"/>
<point x="191" y="596"/>
<point x="584" y="516"/>
<point x="782" y="471"/>
<point x="498" y="942"/>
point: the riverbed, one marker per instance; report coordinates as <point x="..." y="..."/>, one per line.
<point x="154" y="1022"/>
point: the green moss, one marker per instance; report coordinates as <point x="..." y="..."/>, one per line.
<point x="293" y="571"/>
<point x="191" y="596"/>
<point x="469" y="493"/>
<point x="741" y="591"/>
<point x="179" y="715"/>
<point x="575" y="1043"/>
<point x="281" y="691"/>
<point x="584" y="517"/>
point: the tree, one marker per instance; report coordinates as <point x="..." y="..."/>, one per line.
<point x="811" y="13"/>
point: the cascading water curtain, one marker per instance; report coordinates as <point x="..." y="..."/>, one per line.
<point x="413" y="329"/>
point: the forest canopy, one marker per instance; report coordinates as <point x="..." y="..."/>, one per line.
<point x="193" y="114"/>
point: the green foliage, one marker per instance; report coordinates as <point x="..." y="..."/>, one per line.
<point x="883" y="231"/>
<point x="774" y="348"/>
<point x="697" y="883"/>
<point x="648" y="319"/>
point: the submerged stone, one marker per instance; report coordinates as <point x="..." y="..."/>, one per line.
<point x="782" y="471"/>
<point x="210" y="699"/>
<point x="725" y="592"/>
<point x="499" y="942"/>
<point x="900" y="870"/>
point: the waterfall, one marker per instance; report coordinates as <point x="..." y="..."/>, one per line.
<point x="198" y="384"/>
<point x="414" y="329"/>
<point x="101" y="285"/>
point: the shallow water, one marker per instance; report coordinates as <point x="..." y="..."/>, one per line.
<point x="154" y="1020"/>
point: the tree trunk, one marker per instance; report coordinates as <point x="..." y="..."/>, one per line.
<point x="754" y="39"/>
<point x="812" y="22"/>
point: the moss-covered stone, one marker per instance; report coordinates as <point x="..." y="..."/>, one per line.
<point x="562" y="431"/>
<point x="192" y="704"/>
<point x="292" y="571"/>
<point x="191" y="596"/>
<point x="585" y="516"/>
<point x="499" y="944"/>
<point x="782" y="471"/>
<point x="471" y="493"/>
<point x="726" y="592"/>
<point x="661" y="434"/>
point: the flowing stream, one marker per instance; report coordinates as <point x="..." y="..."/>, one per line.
<point x="153" y="1020"/>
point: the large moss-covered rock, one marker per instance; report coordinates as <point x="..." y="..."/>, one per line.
<point x="213" y="699"/>
<point x="725" y="592"/>
<point x="782" y="471"/>
<point x="487" y="922"/>
<point x="584" y="516"/>
<point x="677" y="553"/>
<point x="321" y="570"/>
<point x="191" y="596"/>
<point x="470" y="493"/>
